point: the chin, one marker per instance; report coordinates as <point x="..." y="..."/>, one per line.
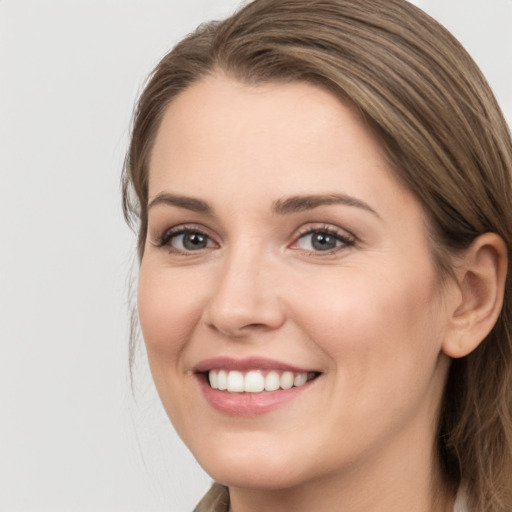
<point x="247" y="477"/>
<point x="253" y="469"/>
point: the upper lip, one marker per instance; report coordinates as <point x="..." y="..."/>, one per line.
<point x="246" y="364"/>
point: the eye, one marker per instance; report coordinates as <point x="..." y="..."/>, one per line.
<point x="191" y="241"/>
<point x="323" y="240"/>
<point x="183" y="240"/>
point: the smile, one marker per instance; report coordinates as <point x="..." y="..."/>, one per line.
<point x="257" y="381"/>
<point x="252" y="386"/>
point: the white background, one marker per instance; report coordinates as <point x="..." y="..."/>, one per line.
<point x="72" y="437"/>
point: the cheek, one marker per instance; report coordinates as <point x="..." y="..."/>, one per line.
<point x="382" y="338"/>
<point x="374" y="325"/>
<point x="169" y="309"/>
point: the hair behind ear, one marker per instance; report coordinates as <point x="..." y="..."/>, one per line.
<point x="475" y="430"/>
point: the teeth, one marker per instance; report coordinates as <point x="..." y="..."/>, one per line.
<point x="222" y="380"/>
<point x="286" y="380"/>
<point x="214" y="380"/>
<point x="254" y="381"/>
<point x="300" y="379"/>
<point x="236" y="382"/>
<point x="272" y="381"/>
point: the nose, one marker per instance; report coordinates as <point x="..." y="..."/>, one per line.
<point x="245" y="298"/>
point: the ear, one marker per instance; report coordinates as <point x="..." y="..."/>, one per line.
<point x="481" y="275"/>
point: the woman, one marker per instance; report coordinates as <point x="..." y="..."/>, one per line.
<point x="322" y="191"/>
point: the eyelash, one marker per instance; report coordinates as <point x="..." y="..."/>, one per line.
<point x="165" y="239"/>
<point x="344" y="239"/>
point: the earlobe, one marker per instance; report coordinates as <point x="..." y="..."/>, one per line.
<point x="481" y="275"/>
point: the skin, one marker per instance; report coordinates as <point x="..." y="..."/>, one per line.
<point x="369" y="315"/>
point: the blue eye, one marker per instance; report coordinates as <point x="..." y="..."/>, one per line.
<point x="323" y="240"/>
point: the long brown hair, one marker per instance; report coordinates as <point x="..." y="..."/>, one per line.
<point x="444" y="134"/>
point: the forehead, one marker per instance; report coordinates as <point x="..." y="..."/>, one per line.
<point x="267" y="140"/>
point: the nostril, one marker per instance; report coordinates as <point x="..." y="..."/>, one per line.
<point x="241" y="304"/>
<point x="239" y="331"/>
<point x="256" y="327"/>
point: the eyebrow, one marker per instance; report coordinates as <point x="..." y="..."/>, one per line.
<point x="286" y="206"/>
<point x="189" y="203"/>
<point x="296" y="204"/>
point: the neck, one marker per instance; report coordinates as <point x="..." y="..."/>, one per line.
<point x="412" y="497"/>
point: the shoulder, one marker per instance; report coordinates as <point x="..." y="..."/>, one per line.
<point x="215" y="500"/>
<point x="461" y="501"/>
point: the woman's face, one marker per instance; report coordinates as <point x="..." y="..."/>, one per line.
<point x="282" y="250"/>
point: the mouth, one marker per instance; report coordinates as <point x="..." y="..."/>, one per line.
<point x="252" y="386"/>
<point x="256" y="380"/>
<point x="253" y="375"/>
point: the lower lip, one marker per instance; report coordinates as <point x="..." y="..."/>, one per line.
<point x="249" y="404"/>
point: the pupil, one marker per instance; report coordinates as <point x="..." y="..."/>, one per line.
<point x="323" y="242"/>
<point x="194" y="241"/>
